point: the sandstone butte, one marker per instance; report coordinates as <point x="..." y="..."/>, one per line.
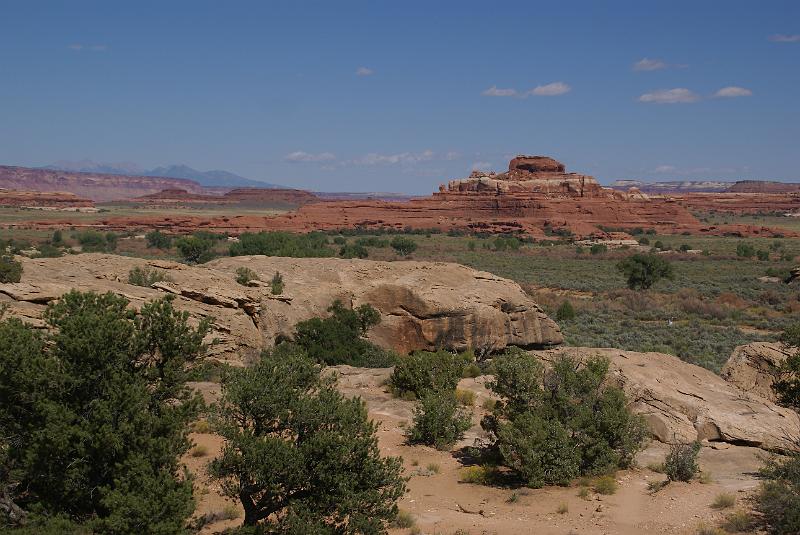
<point x="535" y="197"/>
<point x="423" y="305"/>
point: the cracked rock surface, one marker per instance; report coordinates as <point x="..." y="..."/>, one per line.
<point x="423" y="305"/>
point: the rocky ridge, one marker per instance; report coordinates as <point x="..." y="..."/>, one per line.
<point x="423" y="305"/>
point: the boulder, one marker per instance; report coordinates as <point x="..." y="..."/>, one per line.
<point x="683" y="402"/>
<point x="754" y="367"/>
<point x="423" y="305"/>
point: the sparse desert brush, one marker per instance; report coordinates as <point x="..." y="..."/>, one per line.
<point x="404" y="520"/>
<point x="655" y="486"/>
<point x="489" y="404"/>
<point x="434" y="468"/>
<point x="245" y="275"/>
<point x="146" y="276"/>
<point x="724" y="500"/>
<point x="705" y="478"/>
<point x="465" y="397"/>
<point x="705" y="529"/>
<point x="230" y="512"/>
<point x="439" y="421"/>
<point x="584" y="493"/>
<point x="656" y="467"/>
<point x="738" y="522"/>
<point x="202" y="427"/>
<point x="513" y="498"/>
<point x="606" y="485"/>
<point x="471" y="371"/>
<point x="199" y="451"/>
<point x="562" y="509"/>
<point x="681" y="462"/>
<point x="478" y="475"/>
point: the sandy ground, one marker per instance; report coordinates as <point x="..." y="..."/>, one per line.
<point x="441" y="504"/>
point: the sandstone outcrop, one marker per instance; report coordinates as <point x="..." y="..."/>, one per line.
<point x="683" y="402"/>
<point x="423" y="305"/>
<point x="530" y="174"/>
<point x="794" y="276"/>
<point x="754" y="367"/>
<point x="38" y="199"/>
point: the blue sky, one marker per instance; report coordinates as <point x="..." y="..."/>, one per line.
<point x="401" y="96"/>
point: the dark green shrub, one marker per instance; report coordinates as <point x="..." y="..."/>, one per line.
<point x="10" y="269"/>
<point x="552" y="426"/>
<point x="57" y="239"/>
<point x="778" y="499"/>
<point x="681" y="462"/>
<point x="565" y="311"/>
<point x="92" y="241"/>
<point x="423" y="371"/>
<point x="146" y="276"/>
<point x="372" y="241"/>
<point x="245" y="275"/>
<point x="48" y="251"/>
<point x="313" y="244"/>
<point x="194" y="250"/>
<point x="788" y="384"/>
<point x="300" y="456"/>
<point x="438" y="420"/>
<point x="353" y="251"/>
<point x="598" y="248"/>
<point x="685" y="247"/>
<point x="338" y="339"/>
<point x="276" y="284"/>
<point x="642" y="271"/>
<point x="403" y="246"/>
<point x="95" y="413"/>
<point x="339" y="240"/>
<point x="745" y="250"/>
<point x="157" y="239"/>
<point x="644" y="241"/>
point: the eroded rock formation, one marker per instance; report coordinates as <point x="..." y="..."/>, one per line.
<point x="530" y="174"/>
<point x="754" y="367"/>
<point x="252" y="197"/>
<point x="423" y="305"/>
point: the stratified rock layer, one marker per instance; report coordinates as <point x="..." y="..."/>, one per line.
<point x="423" y="305"/>
<point x="39" y="199"/>
<point x="683" y="402"/>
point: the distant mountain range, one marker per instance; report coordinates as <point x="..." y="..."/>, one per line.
<point x="216" y="178"/>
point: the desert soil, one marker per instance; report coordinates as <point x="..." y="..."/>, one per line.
<point x="441" y="504"/>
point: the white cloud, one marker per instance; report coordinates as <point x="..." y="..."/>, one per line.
<point x="784" y="38"/>
<point x="733" y="91"/>
<point x="494" y="91"/>
<point x="679" y="95"/>
<point x="481" y="166"/>
<point x="302" y="157"/>
<point x="648" y="64"/>
<point x="665" y="169"/>
<point x="452" y="155"/>
<point x="551" y="90"/>
<point x="364" y="71"/>
<point x="94" y="48"/>
<point x="373" y="158"/>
